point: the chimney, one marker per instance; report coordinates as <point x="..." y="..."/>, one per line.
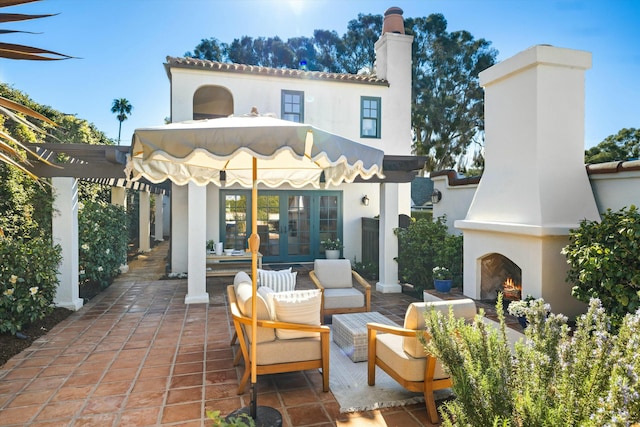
<point x="393" y="21"/>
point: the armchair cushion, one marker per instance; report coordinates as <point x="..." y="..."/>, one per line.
<point x="279" y="281"/>
<point x="241" y="277"/>
<point x="343" y="298"/>
<point x="244" y="297"/>
<point x="297" y="307"/>
<point x="333" y="273"/>
<point x="414" y="319"/>
<point x="288" y="351"/>
<point x="389" y="349"/>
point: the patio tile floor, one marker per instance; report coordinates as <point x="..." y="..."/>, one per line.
<point x="136" y="355"/>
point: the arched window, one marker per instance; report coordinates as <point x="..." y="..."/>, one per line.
<point x="210" y="102"/>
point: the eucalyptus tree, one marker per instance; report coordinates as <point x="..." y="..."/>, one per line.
<point x="624" y="145"/>
<point x="448" y="102"/>
<point x="210" y="49"/>
<point x="122" y="108"/>
<point x="359" y="44"/>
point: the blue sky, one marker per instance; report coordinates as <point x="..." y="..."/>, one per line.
<point x="123" y="45"/>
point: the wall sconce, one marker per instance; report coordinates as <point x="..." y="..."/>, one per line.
<point x="365" y="200"/>
<point x="436" y="196"/>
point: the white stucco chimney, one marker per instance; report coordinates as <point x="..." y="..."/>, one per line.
<point x="534" y="188"/>
<point x="393" y="63"/>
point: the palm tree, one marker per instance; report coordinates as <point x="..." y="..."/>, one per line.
<point x="122" y="108"/>
<point x="11" y="109"/>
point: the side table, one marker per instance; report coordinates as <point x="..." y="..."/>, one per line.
<point x="350" y="332"/>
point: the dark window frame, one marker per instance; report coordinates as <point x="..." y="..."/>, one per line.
<point x="368" y="112"/>
<point x="285" y="105"/>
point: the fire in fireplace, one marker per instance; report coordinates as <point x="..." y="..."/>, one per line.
<point x="511" y="291"/>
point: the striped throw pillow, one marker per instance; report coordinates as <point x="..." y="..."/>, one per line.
<point x="279" y="281"/>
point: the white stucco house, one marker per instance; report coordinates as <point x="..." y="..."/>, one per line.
<point x="374" y="110"/>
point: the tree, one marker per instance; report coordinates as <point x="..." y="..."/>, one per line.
<point x="210" y="49"/>
<point x="448" y="102"/>
<point x="122" y="108"/>
<point x="624" y="145"/>
<point x="359" y="44"/>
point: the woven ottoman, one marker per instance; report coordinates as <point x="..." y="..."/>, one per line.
<point x="350" y="332"/>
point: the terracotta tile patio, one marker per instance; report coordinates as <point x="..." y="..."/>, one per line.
<point x="136" y="355"/>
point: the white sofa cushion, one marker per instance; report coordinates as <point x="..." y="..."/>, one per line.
<point x="297" y="307"/>
<point x="333" y="273"/>
<point x="244" y="298"/>
<point x="343" y="298"/>
<point x="414" y="319"/>
<point x="279" y="281"/>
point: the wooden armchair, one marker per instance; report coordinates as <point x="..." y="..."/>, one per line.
<point x="399" y="352"/>
<point x="335" y="278"/>
<point x="305" y="347"/>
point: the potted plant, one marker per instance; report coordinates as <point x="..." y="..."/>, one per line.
<point x="441" y="279"/>
<point x="521" y="308"/>
<point x="332" y="248"/>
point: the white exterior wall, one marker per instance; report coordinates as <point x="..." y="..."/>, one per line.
<point x="616" y="190"/>
<point x="455" y="201"/>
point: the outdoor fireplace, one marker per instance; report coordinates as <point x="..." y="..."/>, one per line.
<point x="534" y="188"/>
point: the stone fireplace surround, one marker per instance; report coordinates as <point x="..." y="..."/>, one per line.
<point x="534" y="188"/>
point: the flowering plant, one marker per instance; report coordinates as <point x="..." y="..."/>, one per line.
<point x="332" y="245"/>
<point x="27" y="289"/>
<point x="441" y="273"/>
<point x="523" y="307"/>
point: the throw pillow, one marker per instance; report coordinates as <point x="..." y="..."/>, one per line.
<point x="267" y="294"/>
<point x="279" y="281"/>
<point x="297" y="307"/>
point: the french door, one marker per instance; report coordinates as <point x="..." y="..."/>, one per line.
<point x="291" y="223"/>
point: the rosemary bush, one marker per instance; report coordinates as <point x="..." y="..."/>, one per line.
<point x="554" y="377"/>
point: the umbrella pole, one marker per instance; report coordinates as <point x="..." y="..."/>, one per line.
<point x="254" y="245"/>
<point x="264" y="416"/>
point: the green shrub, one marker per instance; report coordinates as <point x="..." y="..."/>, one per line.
<point x="555" y="377"/>
<point x="604" y="260"/>
<point x="102" y="235"/>
<point x="424" y="245"/>
<point x="368" y="270"/>
<point x="28" y="281"/>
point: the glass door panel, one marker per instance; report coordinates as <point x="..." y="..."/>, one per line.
<point x="298" y="226"/>
<point x="329" y="216"/>
<point x="235" y="221"/>
<point x="269" y="225"/>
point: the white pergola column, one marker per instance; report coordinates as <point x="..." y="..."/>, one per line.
<point x="196" y="246"/>
<point x="389" y="211"/>
<point x="144" y="224"/>
<point x="119" y="198"/>
<point x="65" y="234"/>
<point x="159" y="215"/>
<point x="179" y="228"/>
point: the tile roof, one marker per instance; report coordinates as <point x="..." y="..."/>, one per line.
<point x="202" y="64"/>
